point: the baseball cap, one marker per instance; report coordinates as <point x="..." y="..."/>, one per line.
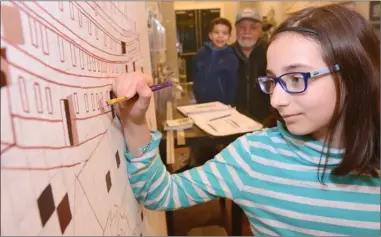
<point x="248" y="13"/>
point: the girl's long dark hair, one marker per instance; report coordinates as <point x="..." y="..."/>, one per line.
<point x="348" y="40"/>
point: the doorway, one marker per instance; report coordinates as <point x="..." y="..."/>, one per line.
<point x="192" y="32"/>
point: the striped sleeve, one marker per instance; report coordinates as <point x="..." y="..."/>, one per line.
<point x="156" y="189"/>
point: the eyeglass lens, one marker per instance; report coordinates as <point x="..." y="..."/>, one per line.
<point x="293" y="83"/>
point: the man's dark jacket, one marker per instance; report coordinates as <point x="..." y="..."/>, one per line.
<point x="250" y="99"/>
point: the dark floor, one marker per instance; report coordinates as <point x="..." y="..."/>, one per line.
<point x="205" y="214"/>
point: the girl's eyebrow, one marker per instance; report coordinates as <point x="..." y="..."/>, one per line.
<point x="269" y="72"/>
<point x="296" y="66"/>
<point x="291" y="68"/>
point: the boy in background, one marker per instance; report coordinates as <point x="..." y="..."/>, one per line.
<point x="215" y="66"/>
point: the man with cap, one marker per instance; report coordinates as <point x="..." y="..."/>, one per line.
<point x="251" y="49"/>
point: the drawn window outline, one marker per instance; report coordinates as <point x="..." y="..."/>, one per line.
<point x="94" y="65"/>
<point x="89" y="63"/>
<point x="142" y="69"/>
<point x="102" y="97"/>
<point x="44" y="39"/>
<point x="23" y="94"/>
<point x="89" y="24"/>
<point x="71" y="10"/>
<point x="73" y="55"/>
<point x="49" y="102"/>
<point x="97" y="101"/>
<point x="60" y="5"/>
<point x="80" y="18"/>
<point x="61" y="48"/>
<point x="125" y="11"/>
<point x="92" y="101"/>
<point x="99" y="65"/>
<point x="33" y="33"/>
<point x="86" y="102"/>
<point x="76" y="103"/>
<point x="126" y="67"/>
<point x="96" y="32"/>
<point x="37" y="96"/>
<point x="82" y="58"/>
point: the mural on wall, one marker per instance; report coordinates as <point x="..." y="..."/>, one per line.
<point x="63" y="170"/>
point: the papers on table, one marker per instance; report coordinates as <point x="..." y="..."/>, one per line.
<point x="202" y="108"/>
<point x="219" y="119"/>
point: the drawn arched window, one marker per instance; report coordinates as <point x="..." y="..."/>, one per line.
<point x="71" y="10"/>
<point x="92" y="101"/>
<point x="75" y="102"/>
<point x="102" y="97"/>
<point x="86" y="102"/>
<point x="126" y="68"/>
<point x="37" y="97"/>
<point x="61" y="48"/>
<point x="49" y="102"/>
<point x="60" y="5"/>
<point x="142" y="69"/>
<point x="97" y="101"/>
<point x="73" y="55"/>
<point x="33" y="31"/>
<point x="23" y="94"/>
<point x="44" y="39"/>
<point x="80" y="20"/>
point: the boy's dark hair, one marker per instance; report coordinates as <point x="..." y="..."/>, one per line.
<point x="221" y="21"/>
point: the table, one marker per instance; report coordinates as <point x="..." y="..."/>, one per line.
<point x="195" y="137"/>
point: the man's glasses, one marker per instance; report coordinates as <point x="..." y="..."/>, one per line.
<point x="293" y="82"/>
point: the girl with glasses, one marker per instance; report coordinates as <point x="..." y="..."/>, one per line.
<point x="317" y="171"/>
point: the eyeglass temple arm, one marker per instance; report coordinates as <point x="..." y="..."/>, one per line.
<point x="325" y="71"/>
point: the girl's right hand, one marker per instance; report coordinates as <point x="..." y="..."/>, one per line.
<point x="135" y="86"/>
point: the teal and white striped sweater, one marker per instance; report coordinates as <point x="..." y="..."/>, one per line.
<point x="272" y="175"/>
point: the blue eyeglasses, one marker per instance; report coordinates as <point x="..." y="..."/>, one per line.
<point x="293" y="82"/>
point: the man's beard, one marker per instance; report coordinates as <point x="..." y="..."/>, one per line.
<point x="246" y="43"/>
